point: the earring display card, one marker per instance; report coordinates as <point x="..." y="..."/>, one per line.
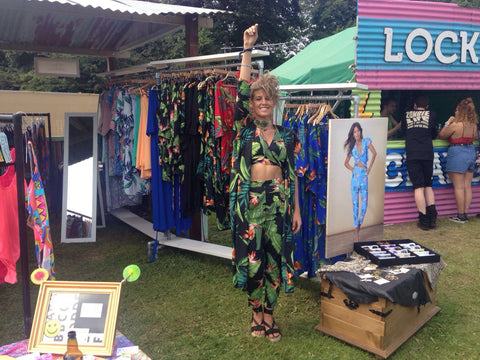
<point x="396" y="252"/>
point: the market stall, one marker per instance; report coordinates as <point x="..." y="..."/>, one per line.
<point x="358" y="53"/>
<point x="398" y="48"/>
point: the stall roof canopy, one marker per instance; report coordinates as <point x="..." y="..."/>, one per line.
<point x="321" y="62"/>
<point x="90" y="27"/>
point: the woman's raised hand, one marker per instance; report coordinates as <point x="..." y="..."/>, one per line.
<point x="250" y="36"/>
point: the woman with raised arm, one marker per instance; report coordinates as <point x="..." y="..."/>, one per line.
<point x="264" y="205"/>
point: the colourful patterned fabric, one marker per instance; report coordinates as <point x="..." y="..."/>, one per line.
<point x="361" y="156"/>
<point x="192" y="186"/>
<point x="265" y="216"/>
<point x="124" y="122"/>
<point x="225" y="96"/>
<point x="38" y="210"/>
<point x="243" y="248"/>
<point x="207" y="168"/>
<point x="359" y="183"/>
<point x="19" y="349"/>
<point x="311" y="169"/>
<point x="359" y="188"/>
<point x="275" y="154"/>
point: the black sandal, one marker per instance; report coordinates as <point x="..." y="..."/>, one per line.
<point x="272" y="330"/>
<point x="257" y="326"/>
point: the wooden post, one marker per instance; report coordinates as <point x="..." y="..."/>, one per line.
<point x="191" y="37"/>
<point x="112" y="64"/>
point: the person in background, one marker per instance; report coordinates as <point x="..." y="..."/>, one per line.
<point x="388" y="108"/>
<point x="264" y="204"/>
<point x="461" y="130"/>
<point x="420" y="128"/>
<point x="357" y="147"/>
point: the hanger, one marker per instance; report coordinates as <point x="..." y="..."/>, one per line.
<point x="299" y="110"/>
<point x="326" y="110"/>
<point x="311" y="120"/>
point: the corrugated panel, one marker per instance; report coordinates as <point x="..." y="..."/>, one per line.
<point x="101" y="27"/>
<point x="400" y="205"/>
<point x="135" y="7"/>
<point x="417" y="10"/>
<point x="403" y="66"/>
<point x="369" y="103"/>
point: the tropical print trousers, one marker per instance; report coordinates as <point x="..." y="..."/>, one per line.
<point x="265" y="216"/>
<point x="359" y="188"/>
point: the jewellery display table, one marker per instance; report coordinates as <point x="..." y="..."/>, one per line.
<point x="379" y="326"/>
<point x="19" y="349"/>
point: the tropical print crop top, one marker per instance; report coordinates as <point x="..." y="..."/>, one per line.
<point x="361" y="156"/>
<point x="275" y="154"/>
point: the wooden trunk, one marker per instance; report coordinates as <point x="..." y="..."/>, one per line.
<point x="379" y="327"/>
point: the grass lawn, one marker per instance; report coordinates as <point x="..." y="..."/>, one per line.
<point x="184" y="305"/>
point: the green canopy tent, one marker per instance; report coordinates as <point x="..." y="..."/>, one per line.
<point x="323" y="61"/>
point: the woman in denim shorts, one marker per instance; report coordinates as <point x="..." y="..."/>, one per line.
<point x="461" y="130"/>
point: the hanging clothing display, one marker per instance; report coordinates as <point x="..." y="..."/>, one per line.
<point x="36" y="132"/>
<point x="189" y="126"/>
<point x="225" y="95"/>
<point x="9" y="232"/>
<point x="141" y="149"/>
<point x="311" y="170"/>
<point x="123" y="126"/>
<point x="38" y="210"/>
<point x="166" y="197"/>
<point x="111" y="151"/>
<point x="190" y="148"/>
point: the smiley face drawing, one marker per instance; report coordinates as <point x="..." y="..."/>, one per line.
<point x="52" y="328"/>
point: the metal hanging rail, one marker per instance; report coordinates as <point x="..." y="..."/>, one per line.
<point x="259" y="63"/>
<point x="163" y="64"/>
<point x="340" y="87"/>
<point x="338" y="98"/>
<point x="323" y="87"/>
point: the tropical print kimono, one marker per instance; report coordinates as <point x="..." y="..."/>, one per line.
<point x="239" y="193"/>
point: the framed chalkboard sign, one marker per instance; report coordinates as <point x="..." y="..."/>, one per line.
<point x="89" y="308"/>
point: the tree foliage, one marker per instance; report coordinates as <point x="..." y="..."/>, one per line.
<point x="333" y="16"/>
<point x="277" y="19"/>
<point x="286" y="26"/>
<point x="17" y="73"/>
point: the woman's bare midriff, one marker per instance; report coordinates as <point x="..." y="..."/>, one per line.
<point x="263" y="172"/>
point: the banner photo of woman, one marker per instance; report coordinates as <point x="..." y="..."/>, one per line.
<point x="356" y="182"/>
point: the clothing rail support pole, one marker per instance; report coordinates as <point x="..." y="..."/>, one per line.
<point x="356" y="104"/>
<point x="22" y="223"/>
<point x="261" y="66"/>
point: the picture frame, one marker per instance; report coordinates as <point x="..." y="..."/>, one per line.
<point x="89" y="308"/>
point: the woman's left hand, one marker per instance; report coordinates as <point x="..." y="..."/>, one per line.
<point x="297" y="221"/>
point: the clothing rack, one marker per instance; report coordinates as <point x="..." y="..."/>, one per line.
<point x="16" y="119"/>
<point x="47" y="115"/>
<point x="259" y="63"/>
<point x="162" y="64"/>
<point x="337" y="98"/>
<point x="340" y="87"/>
<point x="219" y="68"/>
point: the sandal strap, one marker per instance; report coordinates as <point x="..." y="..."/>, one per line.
<point x="257" y="327"/>
<point x="272" y="331"/>
<point x="258" y="309"/>
<point x="268" y="311"/>
<point x="271" y="328"/>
